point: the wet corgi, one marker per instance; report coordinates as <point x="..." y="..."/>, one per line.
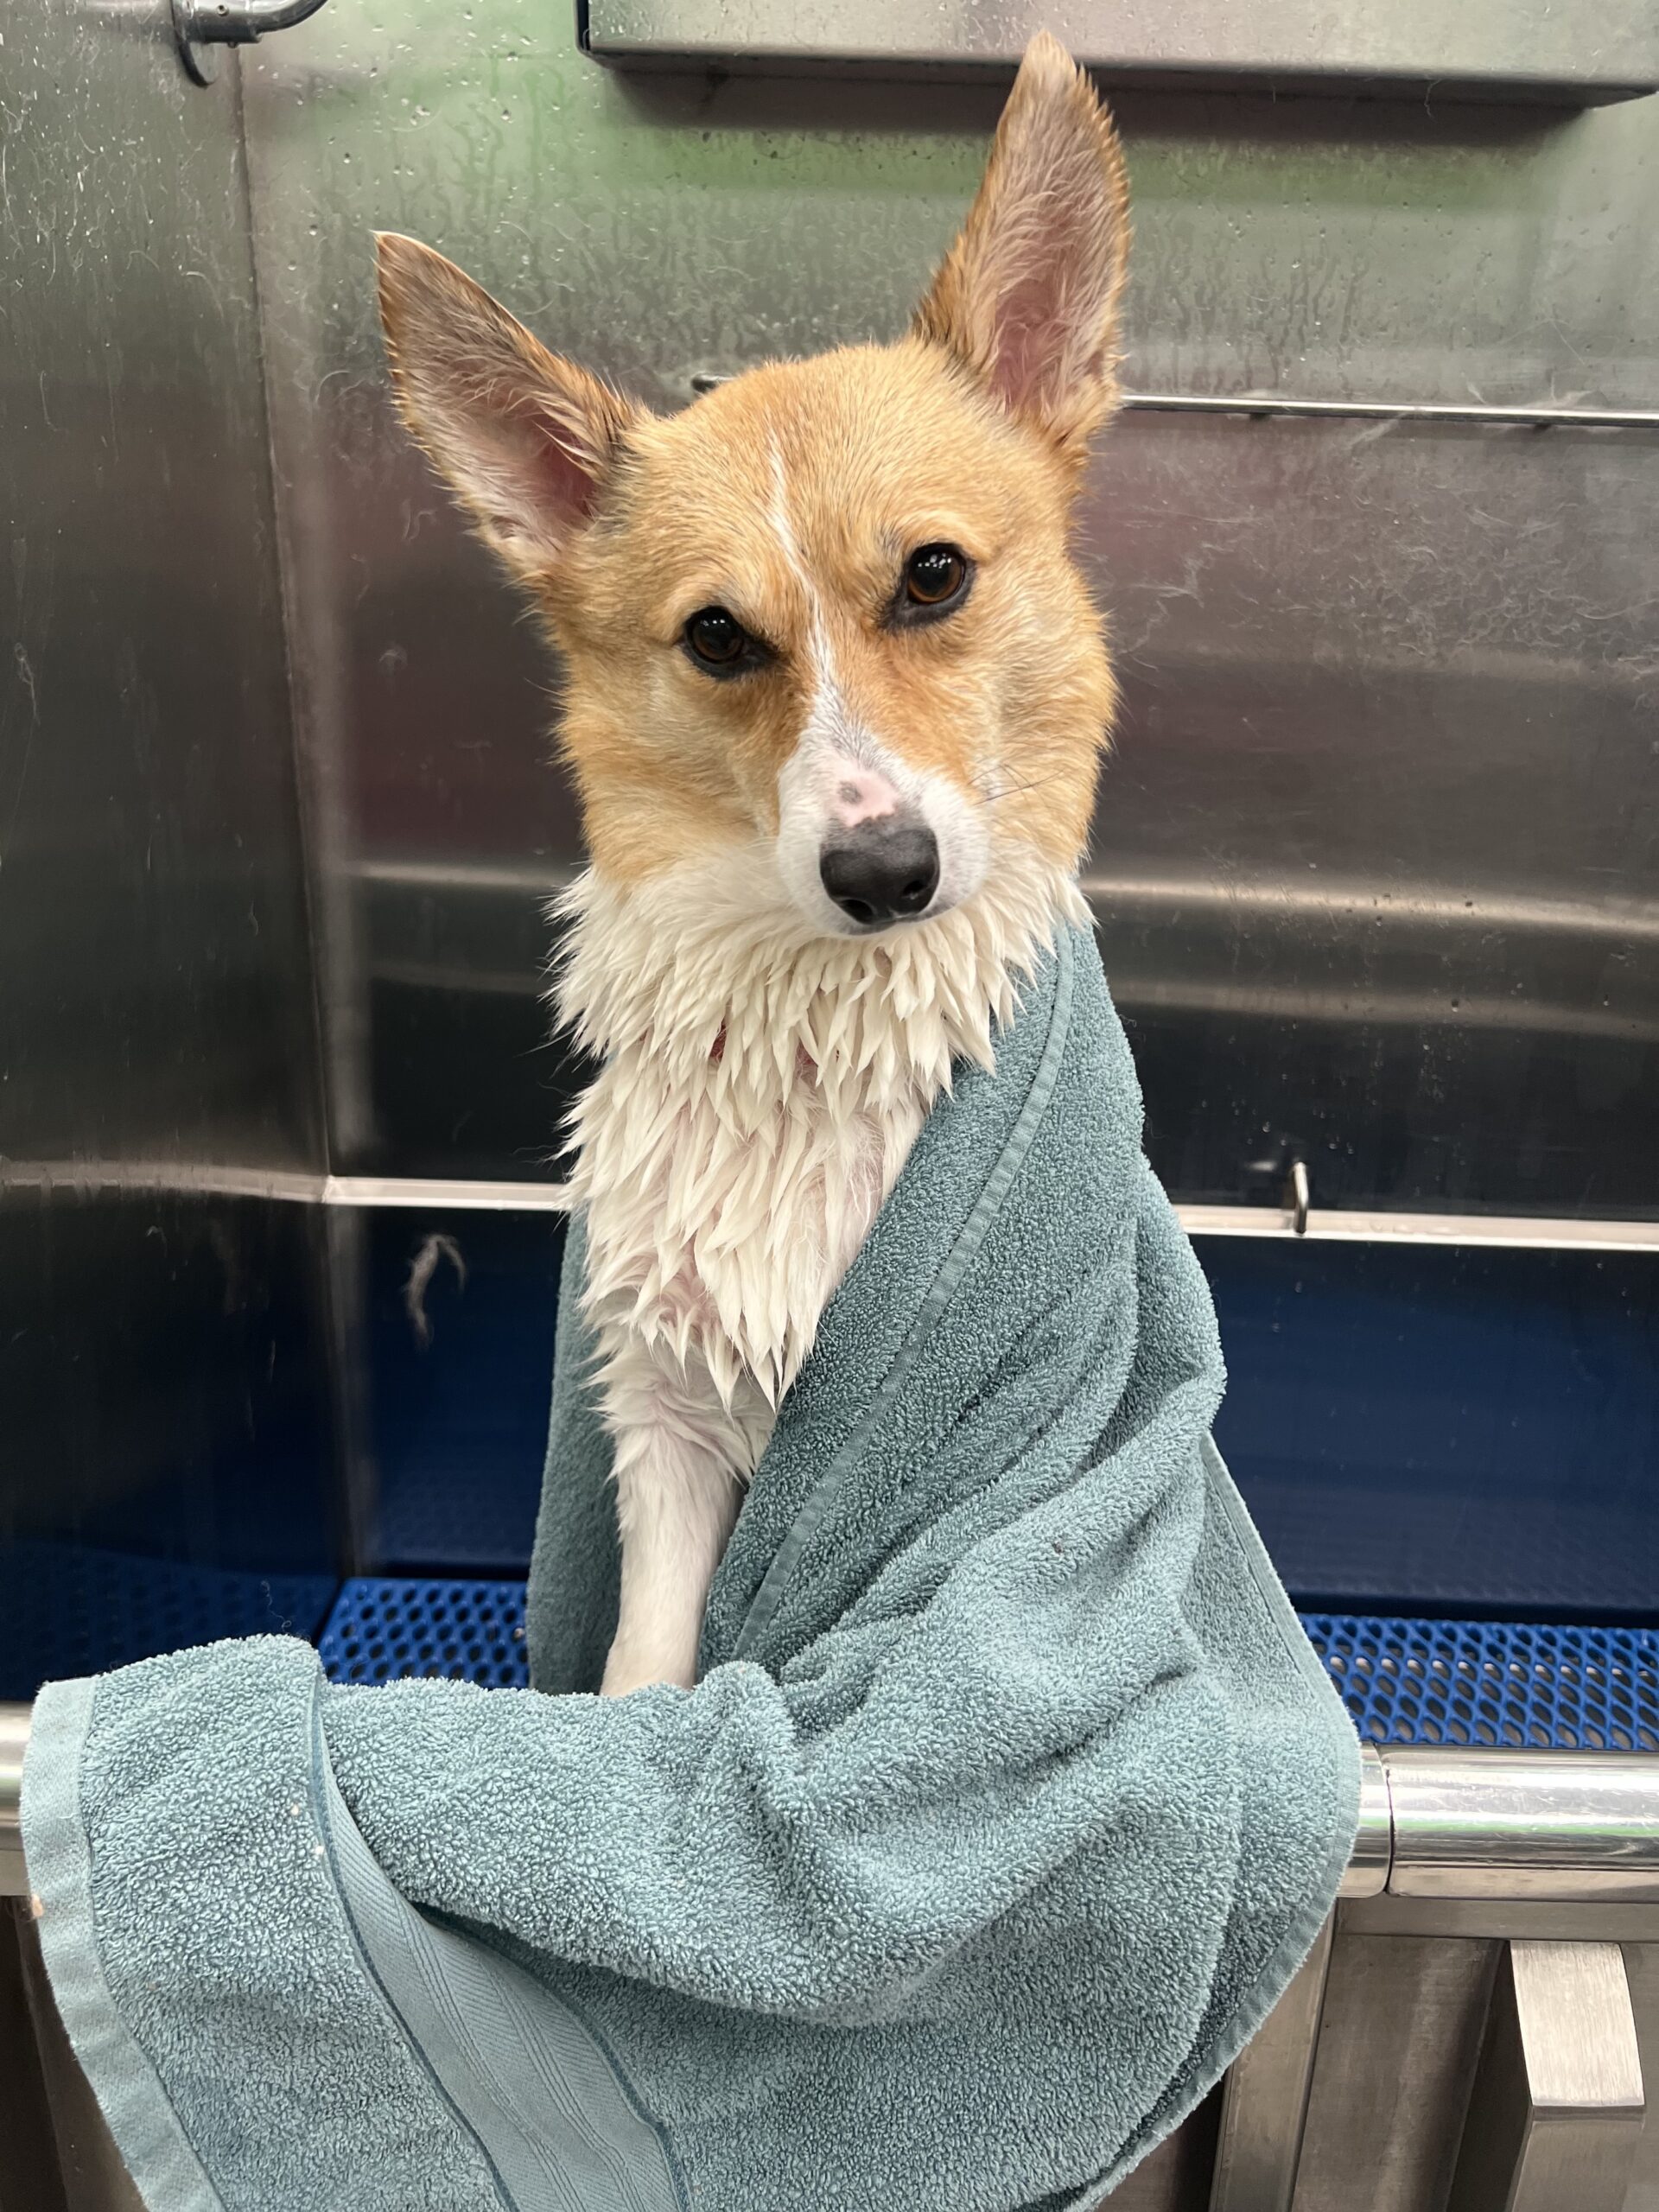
<point x="835" y="695"/>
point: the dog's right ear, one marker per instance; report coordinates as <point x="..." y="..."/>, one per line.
<point x="526" y="439"/>
<point x="1027" y="297"/>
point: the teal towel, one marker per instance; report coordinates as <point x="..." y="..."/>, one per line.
<point x="1009" y="1802"/>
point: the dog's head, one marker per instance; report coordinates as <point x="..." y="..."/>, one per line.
<point x="825" y="621"/>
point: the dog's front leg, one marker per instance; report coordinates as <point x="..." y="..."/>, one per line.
<point x="681" y="1460"/>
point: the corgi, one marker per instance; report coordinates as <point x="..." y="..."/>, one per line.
<point x="835" y="698"/>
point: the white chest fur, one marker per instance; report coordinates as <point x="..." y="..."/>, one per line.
<point x="760" y="1089"/>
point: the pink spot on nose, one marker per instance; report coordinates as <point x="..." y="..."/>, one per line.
<point x="863" y="795"/>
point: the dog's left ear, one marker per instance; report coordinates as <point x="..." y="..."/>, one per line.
<point x="528" y="440"/>
<point x="1027" y="297"/>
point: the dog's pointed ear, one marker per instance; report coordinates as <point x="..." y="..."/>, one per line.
<point x="1027" y="297"/>
<point x="526" y="439"/>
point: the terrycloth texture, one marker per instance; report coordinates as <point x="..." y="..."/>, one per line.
<point x="1010" y="1798"/>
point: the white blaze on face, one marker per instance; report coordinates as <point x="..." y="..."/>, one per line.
<point x="840" y="776"/>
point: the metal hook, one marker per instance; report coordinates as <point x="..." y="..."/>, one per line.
<point x="1296" y="1194"/>
<point x="200" y="25"/>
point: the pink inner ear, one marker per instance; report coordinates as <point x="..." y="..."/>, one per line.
<point x="565" y="487"/>
<point x="528" y="458"/>
<point x="566" y="481"/>
<point x="1032" y="337"/>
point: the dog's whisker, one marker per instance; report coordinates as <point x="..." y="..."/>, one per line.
<point x="1018" y="791"/>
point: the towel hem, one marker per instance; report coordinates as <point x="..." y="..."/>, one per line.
<point x="328" y="1808"/>
<point x="58" y="1852"/>
<point x="511" y="2088"/>
<point x="1302" y="1928"/>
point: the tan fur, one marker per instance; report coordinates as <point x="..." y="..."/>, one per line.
<point x="725" y="1197"/>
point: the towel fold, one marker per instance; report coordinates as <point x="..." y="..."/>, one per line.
<point x="1009" y="1799"/>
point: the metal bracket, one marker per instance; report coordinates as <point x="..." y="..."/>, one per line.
<point x="200" y="25"/>
<point x="1264" y="2103"/>
<point x="1557" y="2102"/>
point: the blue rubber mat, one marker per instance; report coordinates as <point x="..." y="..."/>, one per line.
<point x="1405" y="1682"/>
<point x="1494" y="1683"/>
<point x="387" y="1630"/>
<point x="73" y="1609"/>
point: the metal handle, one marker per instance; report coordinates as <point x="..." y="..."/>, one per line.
<point x="200" y="25"/>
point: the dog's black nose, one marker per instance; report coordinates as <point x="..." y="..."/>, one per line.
<point x="884" y="871"/>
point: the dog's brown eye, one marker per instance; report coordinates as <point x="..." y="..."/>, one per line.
<point x="717" y="641"/>
<point x="935" y="575"/>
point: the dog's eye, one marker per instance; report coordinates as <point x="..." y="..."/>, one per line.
<point x="935" y="577"/>
<point x="718" y="641"/>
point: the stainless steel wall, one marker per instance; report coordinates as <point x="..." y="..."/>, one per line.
<point x="161" y="1368"/>
<point x="1375" y="857"/>
<point x="152" y="911"/>
<point x="1375" y="862"/>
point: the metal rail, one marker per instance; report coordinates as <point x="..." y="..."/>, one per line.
<point x="1268" y="405"/>
<point x="1555" y="1827"/>
<point x="13" y="1741"/>
<point x="22" y="1180"/>
<point x="1265" y="406"/>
